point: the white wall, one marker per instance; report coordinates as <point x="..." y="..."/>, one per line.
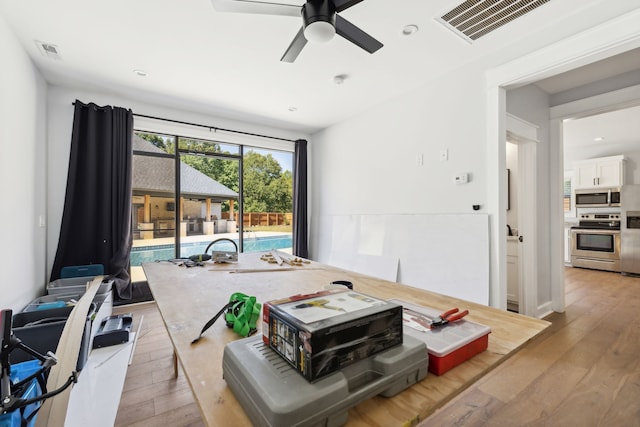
<point x="632" y="166"/>
<point x="22" y="174"/>
<point x="369" y="166"/>
<point x="60" y="120"/>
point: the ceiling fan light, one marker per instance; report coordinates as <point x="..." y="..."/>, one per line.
<point x="319" y="32"/>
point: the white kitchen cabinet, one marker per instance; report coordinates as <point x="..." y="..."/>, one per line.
<point x="513" y="270"/>
<point x="598" y="173"/>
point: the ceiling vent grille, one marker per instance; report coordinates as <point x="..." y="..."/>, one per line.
<point x="48" y="50"/>
<point x="476" y="18"/>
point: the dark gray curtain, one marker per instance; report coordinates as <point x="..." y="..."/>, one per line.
<point x="96" y="221"/>
<point x="300" y="234"/>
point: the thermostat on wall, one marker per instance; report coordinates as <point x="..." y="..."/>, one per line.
<point x="462" y="178"/>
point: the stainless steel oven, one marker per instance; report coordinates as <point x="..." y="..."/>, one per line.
<point x="595" y="242"/>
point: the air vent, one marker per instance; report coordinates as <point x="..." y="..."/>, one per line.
<point x="47" y="49"/>
<point x="476" y="18"/>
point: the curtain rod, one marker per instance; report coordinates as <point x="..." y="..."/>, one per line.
<point x="214" y="128"/>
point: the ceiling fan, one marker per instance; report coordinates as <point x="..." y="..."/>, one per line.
<point x="320" y="22"/>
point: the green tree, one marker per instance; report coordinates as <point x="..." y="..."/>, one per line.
<point x="266" y="187"/>
<point x="163" y="142"/>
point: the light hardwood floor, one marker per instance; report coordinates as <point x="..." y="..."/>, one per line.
<point x="152" y="396"/>
<point x="582" y="371"/>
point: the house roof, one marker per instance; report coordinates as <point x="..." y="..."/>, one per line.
<point x="155" y="176"/>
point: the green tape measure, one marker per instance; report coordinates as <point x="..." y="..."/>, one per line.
<point x="241" y="314"/>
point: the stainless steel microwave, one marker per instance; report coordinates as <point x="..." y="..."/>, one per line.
<point x="597" y="197"/>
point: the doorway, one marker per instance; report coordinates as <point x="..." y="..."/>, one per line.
<point x="521" y="161"/>
<point x="611" y="38"/>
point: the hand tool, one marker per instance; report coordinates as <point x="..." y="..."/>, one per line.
<point x="448" y="316"/>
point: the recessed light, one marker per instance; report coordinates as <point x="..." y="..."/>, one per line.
<point x="599" y="138"/>
<point x="292" y="109"/>
<point x="141" y="73"/>
<point x="410" y="30"/>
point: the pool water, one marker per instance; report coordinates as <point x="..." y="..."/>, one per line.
<point x="165" y="252"/>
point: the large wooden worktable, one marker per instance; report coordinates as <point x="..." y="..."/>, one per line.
<point x="188" y="297"/>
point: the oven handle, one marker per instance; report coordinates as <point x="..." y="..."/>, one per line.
<point x="601" y="260"/>
<point x="594" y="231"/>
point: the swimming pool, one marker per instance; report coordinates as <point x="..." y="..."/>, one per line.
<point x="164" y="252"/>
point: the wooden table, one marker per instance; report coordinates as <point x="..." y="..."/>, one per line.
<point x="188" y="297"/>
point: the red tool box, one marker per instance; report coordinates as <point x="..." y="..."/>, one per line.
<point x="448" y="345"/>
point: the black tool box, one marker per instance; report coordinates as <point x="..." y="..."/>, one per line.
<point x="323" y="332"/>
<point x="113" y="330"/>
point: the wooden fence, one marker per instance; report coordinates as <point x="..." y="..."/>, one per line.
<point x="265" y="219"/>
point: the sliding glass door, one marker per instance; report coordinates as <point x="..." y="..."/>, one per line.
<point x="189" y="192"/>
<point x="209" y="195"/>
<point x="153" y="201"/>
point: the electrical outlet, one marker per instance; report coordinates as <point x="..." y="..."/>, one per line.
<point x="444" y="155"/>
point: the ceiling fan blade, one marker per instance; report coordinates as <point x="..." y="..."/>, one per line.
<point x="344" y="4"/>
<point x="295" y="47"/>
<point x="356" y="36"/>
<point x="259" y="7"/>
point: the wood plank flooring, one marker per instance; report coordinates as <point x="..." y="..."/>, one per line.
<point x="582" y="371"/>
<point x="152" y="396"/>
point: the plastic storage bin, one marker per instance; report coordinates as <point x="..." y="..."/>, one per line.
<point x="41" y="330"/>
<point x="73" y="285"/>
<point x="81" y="271"/>
<point x="448" y="345"/>
<point x="76" y="285"/>
<point x="52" y="301"/>
<point x="20" y="371"/>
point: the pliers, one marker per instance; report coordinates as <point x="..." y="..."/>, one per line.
<point x="448" y="316"/>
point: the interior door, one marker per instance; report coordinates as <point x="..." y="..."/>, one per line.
<point x="526" y="189"/>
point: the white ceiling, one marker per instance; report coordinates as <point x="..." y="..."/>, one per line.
<point x="601" y="135"/>
<point x="227" y="64"/>
<point x="606" y="134"/>
<point x="600" y="70"/>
